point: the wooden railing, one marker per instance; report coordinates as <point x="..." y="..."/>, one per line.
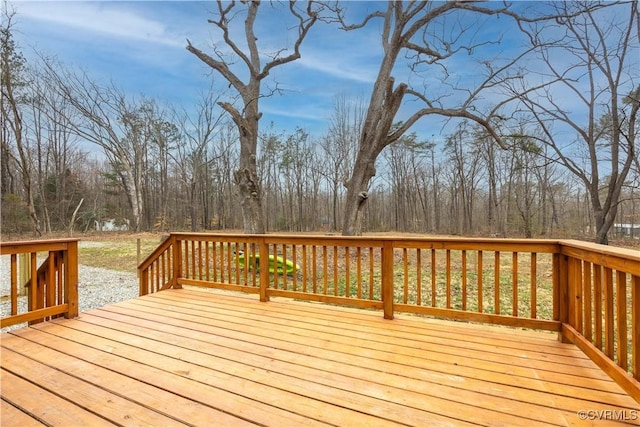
<point x="52" y="290"/>
<point x="553" y="285"/>
<point x="601" y="315"/>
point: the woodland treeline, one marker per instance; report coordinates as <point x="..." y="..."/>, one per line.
<point x="76" y="152"/>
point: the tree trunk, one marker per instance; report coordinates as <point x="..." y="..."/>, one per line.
<point x="247" y="180"/>
<point x="357" y="195"/>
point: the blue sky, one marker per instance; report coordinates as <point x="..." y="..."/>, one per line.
<point x="140" y="45"/>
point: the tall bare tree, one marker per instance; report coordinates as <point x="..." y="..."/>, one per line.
<point x="464" y="159"/>
<point x="12" y="75"/>
<point x="247" y="114"/>
<point x="420" y="30"/>
<point x="105" y="117"/>
<point x="339" y="146"/>
<point x="592" y="93"/>
<point x="196" y="153"/>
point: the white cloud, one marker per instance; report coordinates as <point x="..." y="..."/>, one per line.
<point x="111" y="19"/>
<point x="339" y="66"/>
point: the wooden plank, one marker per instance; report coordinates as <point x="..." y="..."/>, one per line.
<point x="34" y="315"/>
<point x="448" y="277"/>
<point x="479" y="273"/>
<point x="621" y="319"/>
<point x="463" y="268"/>
<point x="284" y="258"/>
<point x="415" y="392"/>
<point x="614" y="258"/>
<point x="578" y="300"/>
<point x="12" y="416"/>
<point x="287" y="333"/>
<point x="335" y="271"/>
<point x="534" y="285"/>
<point x="359" y="272"/>
<point x="294" y="259"/>
<point x="14" y="285"/>
<point x="587" y="281"/>
<point x="214" y="260"/>
<point x="434" y="292"/>
<point x="492" y="319"/>
<point x="490" y="345"/>
<point x="325" y="269"/>
<point x="314" y="269"/>
<point x="218" y="285"/>
<point x="121" y="385"/>
<point x="305" y="398"/>
<point x="514" y="284"/>
<point x="71" y="280"/>
<point x="405" y="276"/>
<point x="30" y="398"/>
<point x="83" y="394"/>
<point x="608" y="299"/>
<point x="19" y="247"/>
<point x="305" y="274"/>
<point x="329" y="299"/>
<point x="496" y="282"/>
<point x="264" y="273"/>
<point x="597" y="305"/>
<point x="626" y="381"/>
<point x="371" y="273"/>
<point x="295" y="363"/>
<point x="329" y="315"/>
<point x="443" y="352"/>
<point x="635" y="326"/>
<point x="169" y="376"/>
<point x="387" y="281"/>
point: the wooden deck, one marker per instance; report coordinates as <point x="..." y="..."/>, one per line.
<point x="188" y="357"/>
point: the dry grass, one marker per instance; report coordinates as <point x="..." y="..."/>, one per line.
<point x="117" y="251"/>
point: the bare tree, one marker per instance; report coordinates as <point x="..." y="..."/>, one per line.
<point x="422" y="32"/>
<point x="339" y="146"/>
<point x="12" y="70"/>
<point x="247" y="115"/>
<point x="594" y="94"/>
<point x="464" y="160"/>
<point x="195" y="155"/>
<point x="106" y="118"/>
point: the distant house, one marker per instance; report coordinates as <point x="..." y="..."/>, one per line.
<point x="112" y="225"/>
<point x="627" y="230"/>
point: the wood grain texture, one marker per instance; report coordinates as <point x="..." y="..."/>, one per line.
<point x="185" y="356"/>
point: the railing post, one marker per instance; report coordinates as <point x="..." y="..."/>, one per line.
<point x="177" y="262"/>
<point x="24" y="273"/>
<point x="635" y="326"/>
<point x="264" y="271"/>
<point x="32" y="292"/>
<point x="143" y="280"/>
<point x="560" y="291"/>
<point x="71" y="279"/>
<point x="387" y="279"/>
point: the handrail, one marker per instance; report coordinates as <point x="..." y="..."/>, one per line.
<point x="602" y="312"/>
<point x="547" y="284"/>
<point x="53" y="287"/>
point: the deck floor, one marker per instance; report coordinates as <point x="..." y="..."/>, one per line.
<point x="188" y="357"/>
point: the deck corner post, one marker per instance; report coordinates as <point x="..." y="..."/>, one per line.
<point x="561" y="292"/>
<point x="264" y="272"/>
<point x="143" y="282"/>
<point x="177" y="262"/>
<point x="387" y="279"/>
<point x="71" y="279"/>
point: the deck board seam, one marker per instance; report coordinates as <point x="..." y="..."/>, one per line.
<point x="509" y="386"/>
<point x="458" y="403"/>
